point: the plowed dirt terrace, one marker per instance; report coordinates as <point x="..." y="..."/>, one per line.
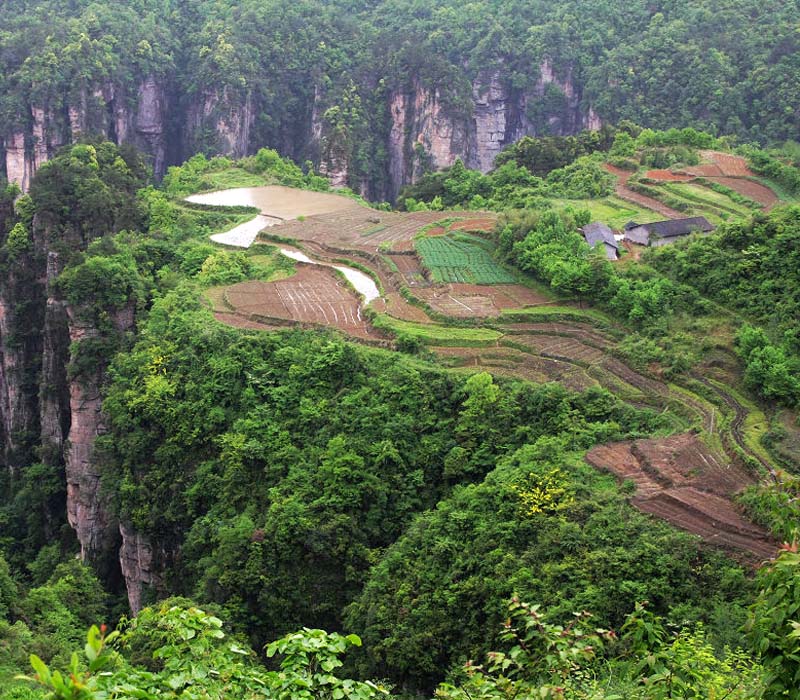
<point x="677" y="478"/>
<point x="366" y="229"/>
<point x="749" y="188"/>
<point x="314" y="295"/>
<point x="667" y="176"/>
<point x="626" y="193"/>
<point x="680" y="480"/>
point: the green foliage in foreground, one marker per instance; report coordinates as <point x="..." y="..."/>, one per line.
<point x="190" y="656"/>
<point x="177" y="651"/>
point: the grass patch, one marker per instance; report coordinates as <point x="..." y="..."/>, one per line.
<point x="756" y="424"/>
<point x="434" y="334"/>
<point x="374" y="230"/>
<point x="706" y="197"/>
<point x="612" y="210"/>
<point x="230" y="178"/>
<point x="556" y="313"/>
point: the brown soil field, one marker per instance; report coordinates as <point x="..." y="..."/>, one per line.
<point x="436" y="231"/>
<point x="561" y="347"/>
<point x="232" y="319"/>
<point x="505" y="296"/>
<point x="681" y="481"/>
<point x="754" y="190"/>
<point x="624" y="192"/>
<point x="729" y="165"/>
<point x="510" y="362"/>
<point x="314" y="295"/>
<point x="704" y="170"/>
<point x="362" y="228"/>
<point x="667" y="176"/>
<point x="396" y="306"/>
<point x="485" y="224"/>
<point x="475" y="300"/>
<point x="411" y="270"/>
<point x="581" y="331"/>
<point x="720" y="165"/>
<point x="449" y="302"/>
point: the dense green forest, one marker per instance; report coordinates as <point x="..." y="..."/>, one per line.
<point x="322" y="80"/>
<point x="195" y="504"/>
<point x="293" y="479"/>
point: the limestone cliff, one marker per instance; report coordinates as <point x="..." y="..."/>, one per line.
<point x="427" y="134"/>
<point x="108" y="110"/>
<point x="226" y="114"/>
<point x="139" y="569"/>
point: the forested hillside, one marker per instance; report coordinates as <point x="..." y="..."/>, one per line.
<point x="399" y="349"/>
<point x="377" y="93"/>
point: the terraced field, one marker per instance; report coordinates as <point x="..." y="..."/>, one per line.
<point x="512" y="330"/>
<point x="681" y="480"/>
<point x="451" y="260"/>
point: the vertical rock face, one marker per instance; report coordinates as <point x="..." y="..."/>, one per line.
<point x="54" y="408"/>
<point x="87" y="506"/>
<point x="493" y="121"/>
<point x="14" y="405"/>
<point x="424" y="134"/>
<point x="105" y="110"/>
<point x="138" y="566"/>
<point x="86" y="510"/>
<point x="20" y="348"/>
<point x="228" y="115"/>
<point x="19" y="166"/>
<point x="149" y="123"/>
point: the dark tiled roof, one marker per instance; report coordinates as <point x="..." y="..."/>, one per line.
<point x="599" y="233"/>
<point x="679" y="227"/>
<point x="630" y="225"/>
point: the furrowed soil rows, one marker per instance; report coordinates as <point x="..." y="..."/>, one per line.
<point x="474" y="225"/>
<point x="510" y="362"/>
<point x="358" y="227"/>
<point x="624" y="192"/>
<point x="314" y="295"/>
<point x="394" y="305"/>
<point x="581" y="331"/>
<point x="680" y="480"/>
<point x="561" y="347"/>
<point x="667" y="176"/>
<point x="505" y="296"/>
<point x="750" y="189"/>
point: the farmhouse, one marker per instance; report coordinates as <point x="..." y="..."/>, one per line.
<point x="663" y="232"/>
<point x="597" y="232"/>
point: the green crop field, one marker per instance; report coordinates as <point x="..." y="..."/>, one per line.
<point x="610" y="210"/>
<point x="451" y="260"/>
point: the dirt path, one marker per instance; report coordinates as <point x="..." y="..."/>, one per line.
<point x="624" y="192"/>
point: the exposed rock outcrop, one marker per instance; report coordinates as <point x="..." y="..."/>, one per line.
<point x="19" y="164"/>
<point x="107" y="111"/>
<point x="228" y="115"/>
<point x="426" y="134"/>
<point x="87" y="506"/>
<point x="54" y="407"/>
<point x="138" y="566"/>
